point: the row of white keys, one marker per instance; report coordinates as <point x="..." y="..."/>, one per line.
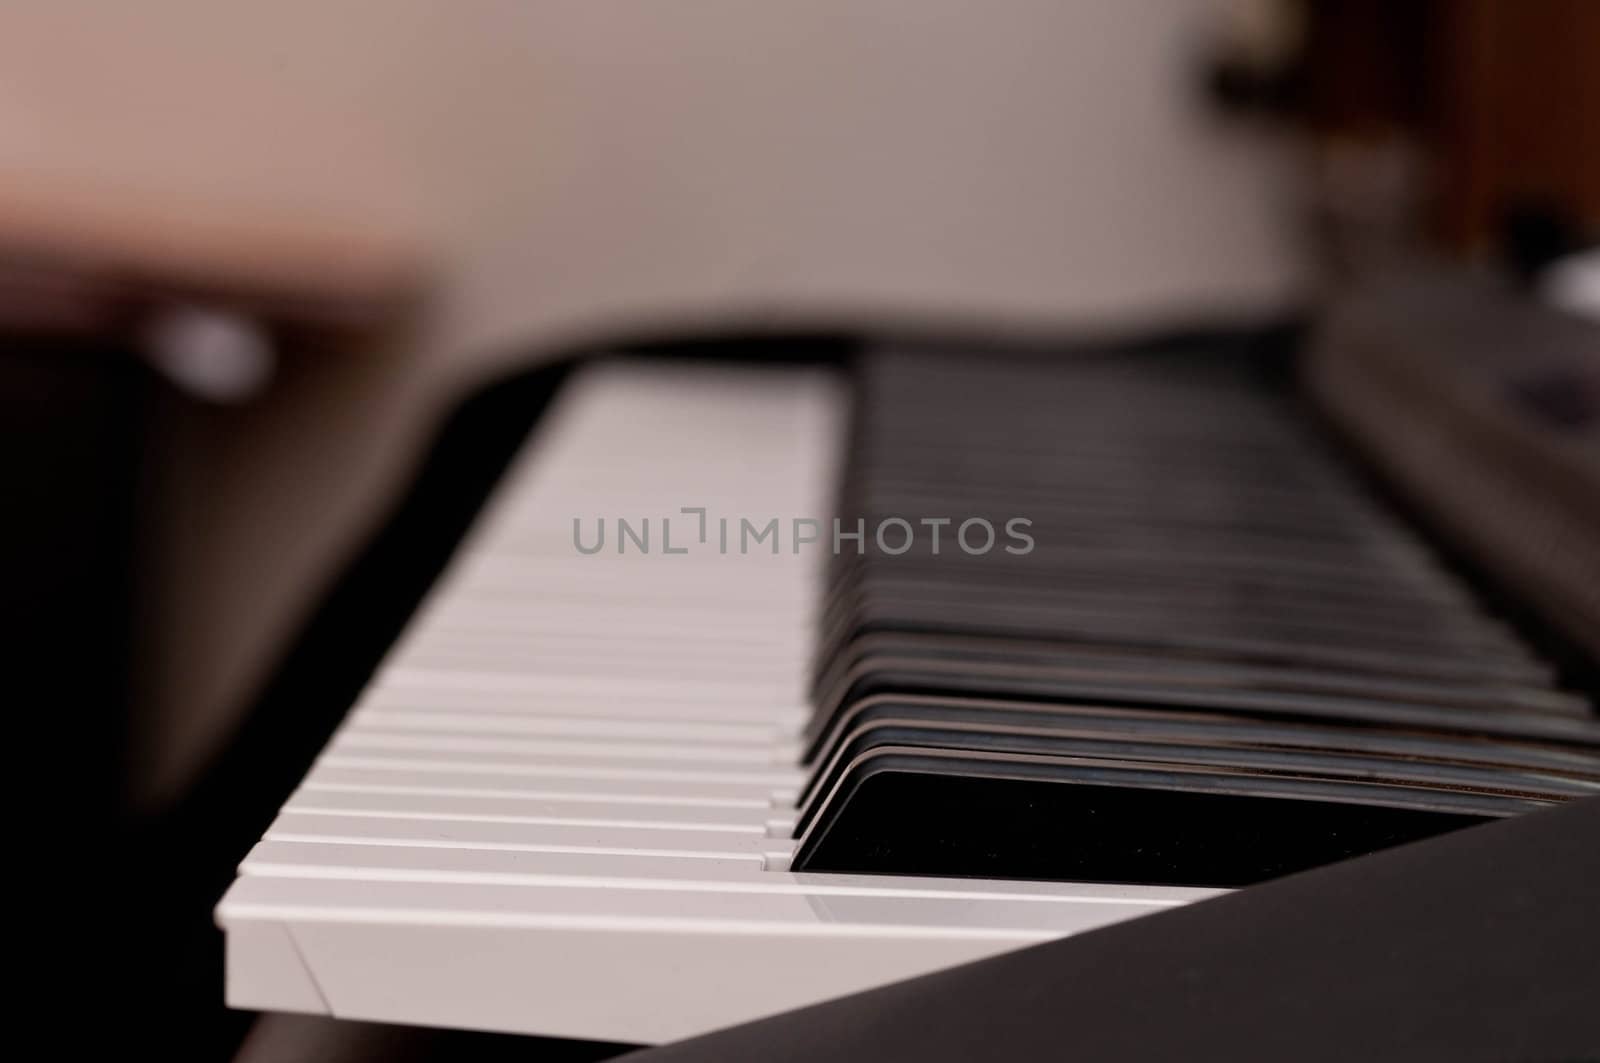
<point x="563" y="804"/>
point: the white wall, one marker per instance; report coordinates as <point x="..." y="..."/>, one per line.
<point x="579" y="165"/>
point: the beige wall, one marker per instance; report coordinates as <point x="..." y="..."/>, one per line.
<point x="589" y="165"/>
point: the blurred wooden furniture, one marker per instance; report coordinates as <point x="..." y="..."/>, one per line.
<point x="96" y="290"/>
<point x="1501" y="95"/>
<point x="119" y="315"/>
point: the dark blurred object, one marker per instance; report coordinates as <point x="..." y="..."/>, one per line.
<point x="70" y="431"/>
<point x="301" y="1038"/>
<point x="1483" y="407"/>
<point x="1535" y="236"/>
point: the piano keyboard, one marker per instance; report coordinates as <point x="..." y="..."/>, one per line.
<point x="654" y="758"/>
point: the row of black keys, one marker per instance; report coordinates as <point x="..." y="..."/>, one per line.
<point x="1222" y="659"/>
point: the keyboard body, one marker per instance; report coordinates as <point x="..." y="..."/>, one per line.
<point x="570" y="801"/>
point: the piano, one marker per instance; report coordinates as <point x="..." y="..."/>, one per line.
<point x="757" y="685"/>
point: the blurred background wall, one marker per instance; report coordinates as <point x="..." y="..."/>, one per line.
<point x="573" y="170"/>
